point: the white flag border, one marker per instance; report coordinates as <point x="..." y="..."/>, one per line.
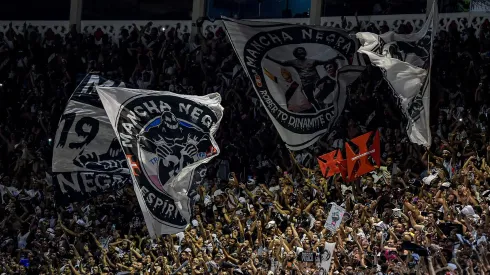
<point x="154" y="229"/>
<point x="432" y="20"/>
<point x="255" y="24"/>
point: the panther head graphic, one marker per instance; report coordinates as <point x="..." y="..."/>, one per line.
<point x="170" y="144"/>
<point x="169" y="121"/>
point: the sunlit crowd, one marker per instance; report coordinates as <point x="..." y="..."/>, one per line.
<point x="423" y="211"/>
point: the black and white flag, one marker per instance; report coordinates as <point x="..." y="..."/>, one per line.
<point x="87" y="157"/>
<point x="326" y="258"/>
<point x="405" y="61"/>
<point x="166" y="138"/>
<point x="300" y="73"/>
<point x="335" y="217"/>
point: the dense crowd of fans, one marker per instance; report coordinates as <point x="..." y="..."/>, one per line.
<point x="403" y="219"/>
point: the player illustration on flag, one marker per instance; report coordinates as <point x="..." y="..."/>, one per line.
<point x="306" y="69"/>
<point x="327" y="84"/>
<point x="296" y="101"/>
<point x="300" y="73"/>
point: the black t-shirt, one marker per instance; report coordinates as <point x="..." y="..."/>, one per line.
<point x="370" y="192"/>
<point x="303" y="220"/>
<point x="385" y="199"/>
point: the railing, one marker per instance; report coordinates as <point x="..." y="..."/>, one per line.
<point x="112" y="28"/>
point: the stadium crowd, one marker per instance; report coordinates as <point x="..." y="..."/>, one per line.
<point x="403" y="219"/>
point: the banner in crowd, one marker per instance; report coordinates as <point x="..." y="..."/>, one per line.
<point x="87" y="157"/>
<point x="300" y="74"/>
<point x="326" y="258"/>
<point x="405" y="61"/>
<point x="165" y="138"/>
<point x="22" y="194"/>
<point x="320" y="259"/>
<point x="362" y="156"/>
<point x="335" y="217"/>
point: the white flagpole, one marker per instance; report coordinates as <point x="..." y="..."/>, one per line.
<point x="434" y="11"/>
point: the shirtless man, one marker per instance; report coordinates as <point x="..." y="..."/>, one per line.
<point x="306" y="69"/>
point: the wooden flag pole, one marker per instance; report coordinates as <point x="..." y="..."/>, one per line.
<point x="295" y="162"/>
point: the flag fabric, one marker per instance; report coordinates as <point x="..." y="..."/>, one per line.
<point x="368" y="155"/>
<point x="330" y="163"/>
<point x="166" y="138"/>
<point x="405" y="61"/>
<point x="362" y="156"/>
<point x="300" y="74"/>
<point x="334" y="218"/>
<point x="87" y="157"/>
<point x="326" y="257"/>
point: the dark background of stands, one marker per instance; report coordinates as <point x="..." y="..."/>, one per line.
<point x="181" y="9"/>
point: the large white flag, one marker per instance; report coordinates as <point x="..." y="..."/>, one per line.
<point x="300" y="73"/>
<point x="405" y="61"/>
<point x="87" y="158"/>
<point x="166" y="139"/>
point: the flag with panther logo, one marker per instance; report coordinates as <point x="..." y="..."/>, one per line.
<point x="166" y="139"/>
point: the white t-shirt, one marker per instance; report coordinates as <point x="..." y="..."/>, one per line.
<point x="22" y="240"/>
<point x="275" y="189"/>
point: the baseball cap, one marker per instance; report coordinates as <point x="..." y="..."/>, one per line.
<point x="218" y="193"/>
